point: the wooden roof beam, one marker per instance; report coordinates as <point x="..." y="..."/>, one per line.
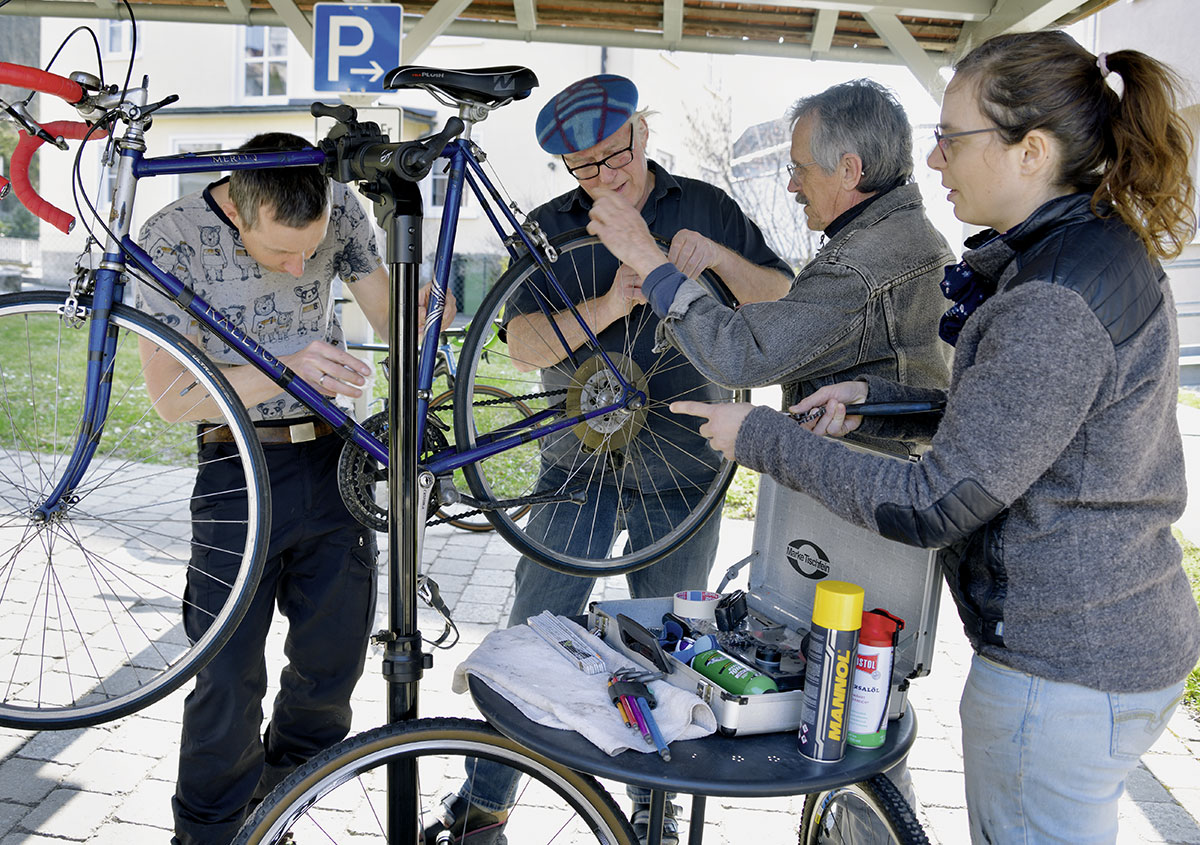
<point x="526" y="12"/>
<point x="901" y="42"/>
<point x="822" y="38"/>
<point x="1014" y="16"/>
<point x="672" y="22"/>
<point x="299" y="23"/>
<point x="436" y="20"/>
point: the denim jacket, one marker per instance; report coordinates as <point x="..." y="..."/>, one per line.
<point x="867" y="304"/>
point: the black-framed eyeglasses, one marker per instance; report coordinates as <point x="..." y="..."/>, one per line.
<point x="940" y="138"/>
<point x="615" y="161"/>
<point x="792" y="168"/>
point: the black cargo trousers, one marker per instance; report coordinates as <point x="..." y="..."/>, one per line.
<point x="321" y="572"/>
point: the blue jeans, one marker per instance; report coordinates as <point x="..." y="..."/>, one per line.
<point x="1046" y="761"/>
<point x="492" y="786"/>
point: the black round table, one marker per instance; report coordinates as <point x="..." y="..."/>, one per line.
<point x="756" y="766"/>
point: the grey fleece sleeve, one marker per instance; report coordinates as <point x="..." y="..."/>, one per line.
<point x="768" y="342"/>
<point x="1012" y="412"/>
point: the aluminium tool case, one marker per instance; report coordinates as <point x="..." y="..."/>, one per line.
<point x="797" y="544"/>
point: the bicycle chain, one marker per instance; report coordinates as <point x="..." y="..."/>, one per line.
<point x="507" y="400"/>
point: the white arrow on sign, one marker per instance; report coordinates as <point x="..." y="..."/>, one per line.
<point x="375" y="70"/>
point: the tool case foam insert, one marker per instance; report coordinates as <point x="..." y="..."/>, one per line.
<point x="797" y="544"/>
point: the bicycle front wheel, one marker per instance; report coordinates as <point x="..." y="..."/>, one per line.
<point x="93" y="594"/>
<point x="626" y="487"/>
<point x="341" y="796"/>
<point x="872" y="811"/>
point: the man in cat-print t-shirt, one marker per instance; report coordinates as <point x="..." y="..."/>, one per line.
<point x="263" y="247"/>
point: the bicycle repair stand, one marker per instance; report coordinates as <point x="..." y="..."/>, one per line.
<point x="361" y="153"/>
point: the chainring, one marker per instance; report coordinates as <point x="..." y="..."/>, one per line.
<point x="358" y="475"/>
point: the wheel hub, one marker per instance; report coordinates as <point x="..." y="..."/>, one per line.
<point x="594" y="386"/>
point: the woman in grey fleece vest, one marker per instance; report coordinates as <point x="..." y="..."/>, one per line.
<point x="1056" y="471"/>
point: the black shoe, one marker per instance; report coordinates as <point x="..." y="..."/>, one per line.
<point x="640" y="819"/>
<point x="450" y="827"/>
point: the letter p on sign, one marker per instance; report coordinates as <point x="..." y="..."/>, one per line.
<point x="354" y="46"/>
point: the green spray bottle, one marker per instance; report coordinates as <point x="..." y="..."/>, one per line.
<point x="731" y="674"/>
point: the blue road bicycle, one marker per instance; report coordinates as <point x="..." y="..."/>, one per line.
<point x="96" y="487"/>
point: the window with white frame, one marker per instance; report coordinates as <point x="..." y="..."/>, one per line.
<point x="117" y="38"/>
<point x="439" y="184"/>
<point x="264" y="61"/>
<point x="188" y="183"/>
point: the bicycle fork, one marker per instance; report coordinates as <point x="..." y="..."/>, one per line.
<point x="102" y="347"/>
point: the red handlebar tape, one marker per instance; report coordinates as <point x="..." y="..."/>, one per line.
<point x="40" y="80"/>
<point x="23" y="188"/>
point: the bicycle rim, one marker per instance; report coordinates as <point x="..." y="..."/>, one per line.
<point x="92" y="599"/>
<point x="669" y="480"/>
<point x="497" y="408"/>
<point x="872" y="812"/>
<point x="341" y="796"/>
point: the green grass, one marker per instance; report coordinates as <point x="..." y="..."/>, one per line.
<point x="1191" y="565"/>
<point x="742" y="498"/>
<point x="40" y="351"/>
<point x="1191" y="398"/>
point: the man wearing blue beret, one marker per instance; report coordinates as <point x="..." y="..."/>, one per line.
<point x="601" y="137"/>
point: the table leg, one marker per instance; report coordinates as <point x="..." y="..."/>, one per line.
<point x="658" y="805"/>
<point x="696" y="824"/>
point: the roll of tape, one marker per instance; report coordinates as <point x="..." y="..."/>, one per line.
<point x="697" y="604"/>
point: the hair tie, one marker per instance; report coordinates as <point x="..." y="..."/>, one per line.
<point x="1102" y="63"/>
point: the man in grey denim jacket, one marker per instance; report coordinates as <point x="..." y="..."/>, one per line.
<point x="867" y="304"/>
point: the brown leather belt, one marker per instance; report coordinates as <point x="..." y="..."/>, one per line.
<point x="300" y="432"/>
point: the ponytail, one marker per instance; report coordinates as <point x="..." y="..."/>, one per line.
<point x="1130" y="151"/>
<point x="1148" y="182"/>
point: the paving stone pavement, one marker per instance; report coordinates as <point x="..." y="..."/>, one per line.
<point x="112" y="784"/>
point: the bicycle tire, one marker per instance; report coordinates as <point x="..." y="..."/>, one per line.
<point x="92" y="599"/>
<point x="556" y="804"/>
<point x="636" y="451"/>
<point x="506" y="407"/>
<point x="871" y="811"/>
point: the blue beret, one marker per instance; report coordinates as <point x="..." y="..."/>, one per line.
<point x="585" y="113"/>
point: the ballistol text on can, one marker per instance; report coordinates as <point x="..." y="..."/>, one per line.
<point x="832" y="649"/>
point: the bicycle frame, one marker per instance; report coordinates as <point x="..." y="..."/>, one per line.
<point x="121" y="249"/>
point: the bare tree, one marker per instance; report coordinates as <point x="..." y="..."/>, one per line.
<point x="752" y="170"/>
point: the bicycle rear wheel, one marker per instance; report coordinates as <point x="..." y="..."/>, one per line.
<point x="670" y="480"/>
<point x="499" y="407"/>
<point x="92" y="598"/>
<point x="872" y="812"/>
<point x="341" y="796"/>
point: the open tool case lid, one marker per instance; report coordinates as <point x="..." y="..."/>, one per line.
<point x="798" y="543"/>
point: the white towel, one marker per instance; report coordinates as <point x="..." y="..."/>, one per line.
<point x="549" y="690"/>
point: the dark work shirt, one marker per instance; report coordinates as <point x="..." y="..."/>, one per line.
<point x="674" y="203"/>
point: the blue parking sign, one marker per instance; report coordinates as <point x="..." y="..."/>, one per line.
<point x="354" y="46"/>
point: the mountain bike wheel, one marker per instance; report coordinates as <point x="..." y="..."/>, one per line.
<point x="499" y="407"/>
<point x="91" y="599"/>
<point x="872" y="811"/>
<point x="340" y="795"/>
<point x="668" y="479"/>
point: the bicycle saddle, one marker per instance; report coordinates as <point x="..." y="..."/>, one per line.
<point x="487" y="85"/>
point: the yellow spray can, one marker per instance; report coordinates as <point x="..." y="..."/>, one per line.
<point x="829" y="675"/>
